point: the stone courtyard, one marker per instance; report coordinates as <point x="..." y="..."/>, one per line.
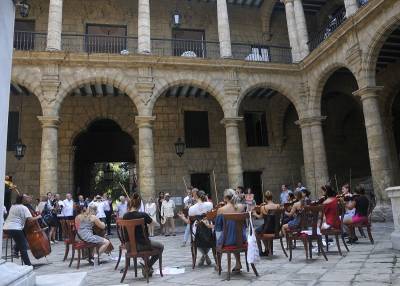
<point x="364" y="265"/>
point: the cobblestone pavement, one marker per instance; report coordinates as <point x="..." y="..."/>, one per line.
<point x="364" y="265"/>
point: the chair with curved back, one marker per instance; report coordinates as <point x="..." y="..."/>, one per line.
<point x="127" y="229"/>
<point x="239" y="220"/>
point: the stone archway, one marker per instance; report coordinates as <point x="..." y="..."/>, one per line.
<point x="102" y="142"/>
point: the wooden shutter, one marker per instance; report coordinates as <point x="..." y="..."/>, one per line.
<point x="196" y="129"/>
<point x="12" y="132"/>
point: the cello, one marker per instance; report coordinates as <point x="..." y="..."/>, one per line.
<point x="36" y="236"/>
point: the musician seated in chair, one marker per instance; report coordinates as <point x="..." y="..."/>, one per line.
<point x="331" y="216"/>
<point x="141" y="241"/>
<point x="202" y="231"/>
<point x="14" y="226"/>
<point x="268" y="227"/>
<point x="294" y="213"/>
<point x="85" y="222"/>
<point x="231" y="207"/>
<point x="360" y="203"/>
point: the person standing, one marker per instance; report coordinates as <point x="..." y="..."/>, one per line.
<point x="168" y="213"/>
<point x="8" y="192"/>
<point x="81" y="204"/>
<point x="159" y="204"/>
<point x="58" y="205"/>
<point x="151" y="210"/>
<point x="122" y="207"/>
<point x="99" y="203"/>
<point x="284" y="197"/>
<point x="68" y="209"/>
<point x="14" y="227"/>
<point x="108" y="211"/>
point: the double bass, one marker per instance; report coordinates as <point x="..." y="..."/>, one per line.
<point x="37" y="238"/>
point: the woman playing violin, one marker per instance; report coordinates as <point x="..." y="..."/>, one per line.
<point x="331" y="216"/>
<point x="294" y="213"/>
<point x="269" y="219"/>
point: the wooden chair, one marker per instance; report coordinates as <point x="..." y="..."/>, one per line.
<point x="239" y="220"/>
<point x="193" y="245"/>
<point x="366" y="224"/>
<point x="336" y="232"/>
<point x="268" y="238"/>
<point x="127" y="230"/>
<point x="121" y="247"/>
<point x="78" y="245"/>
<point x="68" y="236"/>
<point x="310" y="220"/>
<point x="8" y="238"/>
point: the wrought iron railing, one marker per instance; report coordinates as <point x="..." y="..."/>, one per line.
<point x="261" y="53"/>
<point x="78" y="43"/>
<point x="334" y="22"/>
<point x="30" y="41"/>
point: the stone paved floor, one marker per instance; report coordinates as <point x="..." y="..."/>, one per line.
<point x="364" y="265"/>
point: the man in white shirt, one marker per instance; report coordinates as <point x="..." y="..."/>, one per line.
<point x="99" y="203"/>
<point x="168" y="213"/>
<point x="122" y="207"/>
<point x="68" y="209"/>
<point x="188" y="200"/>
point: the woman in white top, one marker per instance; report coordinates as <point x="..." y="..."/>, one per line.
<point x="14" y="226"/>
<point x="151" y="210"/>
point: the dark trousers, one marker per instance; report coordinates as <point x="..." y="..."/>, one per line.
<point x="21" y="244"/>
<point x="108" y="221"/>
<point x="154" y="245"/>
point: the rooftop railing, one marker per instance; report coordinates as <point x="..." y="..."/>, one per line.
<point x="84" y="43"/>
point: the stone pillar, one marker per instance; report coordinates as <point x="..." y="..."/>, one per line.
<point x="314" y="147"/>
<point x="378" y="149"/>
<point x="54" y="26"/>
<point x="291" y="25"/>
<point x="144" y="41"/>
<point x="301" y="25"/>
<point x="146" y="156"/>
<point x="394" y="194"/>
<point x="224" y="32"/>
<point x="49" y="154"/>
<point x="351" y="7"/>
<point x="234" y="157"/>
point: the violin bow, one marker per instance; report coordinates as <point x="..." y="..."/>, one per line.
<point x="337" y="187"/>
<point x="184" y="182"/>
<point x="215" y="187"/>
<point x="262" y="189"/>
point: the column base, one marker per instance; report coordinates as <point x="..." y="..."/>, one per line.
<point x="382" y="213"/>
<point x="395" y="237"/>
<point x="16" y="275"/>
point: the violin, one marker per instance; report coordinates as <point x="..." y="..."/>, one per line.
<point x="212" y="214"/>
<point x="36" y="236"/>
<point x="257" y="208"/>
<point x="319" y="201"/>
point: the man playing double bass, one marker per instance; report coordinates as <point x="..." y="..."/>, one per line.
<point x="14" y="226"/>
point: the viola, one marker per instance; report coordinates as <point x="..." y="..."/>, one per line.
<point x="36" y="236"/>
<point x="257" y="208"/>
<point x="211" y="215"/>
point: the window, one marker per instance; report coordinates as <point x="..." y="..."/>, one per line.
<point x="196" y="129"/>
<point x="24" y="37"/>
<point x="186" y="42"/>
<point x="201" y="181"/>
<point x="12" y="132"/>
<point x="105" y="38"/>
<point x="256" y="129"/>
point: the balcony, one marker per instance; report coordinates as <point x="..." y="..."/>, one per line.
<point x="125" y="45"/>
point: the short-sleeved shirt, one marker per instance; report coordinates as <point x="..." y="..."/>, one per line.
<point x="140" y="238"/>
<point x="122" y="208"/>
<point x="200" y="208"/>
<point x="100" y="208"/>
<point x="17" y="217"/>
<point x="68" y="209"/>
<point x="362" y="204"/>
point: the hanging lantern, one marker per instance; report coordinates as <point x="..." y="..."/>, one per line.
<point x="19" y="149"/>
<point x="108" y="174"/>
<point x="179" y="147"/>
<point x="176" y="20"/>
<point x="24" y="8"/>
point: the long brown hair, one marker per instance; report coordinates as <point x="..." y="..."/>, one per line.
<point x="135" y="201"/>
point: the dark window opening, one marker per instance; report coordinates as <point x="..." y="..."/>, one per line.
<point x="252" y="180"/>
<point x="256" y="129"/>
<point x="202" y="182"/>
<point x="196" y="129"/>
<point x="12" y="132"/>
<point x="24" y="37"/>
<point x="105" y="38"/>
<point x="186" y="42"/>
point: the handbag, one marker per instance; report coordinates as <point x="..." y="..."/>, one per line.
<point x="252" y="249"/>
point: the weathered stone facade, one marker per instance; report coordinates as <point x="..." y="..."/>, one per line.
<point x="298" y="151"/>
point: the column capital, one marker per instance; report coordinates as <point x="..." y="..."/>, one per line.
<point x="145" y="121"/>
<point x="368" y="92"/>
<point x="49" y="121"/>
<point x="310" y="121"/>
<point x="231" y="121"/>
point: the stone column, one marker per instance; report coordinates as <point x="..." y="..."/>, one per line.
<point x="49" y="154"/>
<point x="146" y="156"/>
<point x="291" y="25"/>
<point x="394" y="194"/>
<point x="314" y="147"/>
<point x="301" y="25"/>
<point x="224" y="32"/>
<point x="144" y="41"/>
<point x="351" y="7"/>
<point x="54" y="26"/>
<point x="378" y="149"/>
<point x="234" y="157"/>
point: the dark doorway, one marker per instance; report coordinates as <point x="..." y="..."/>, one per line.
<point x="202" y="182"/>
<point x="252" y="180"/>
<point x="396" y="123"/>
<point x="103" y="142"/>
